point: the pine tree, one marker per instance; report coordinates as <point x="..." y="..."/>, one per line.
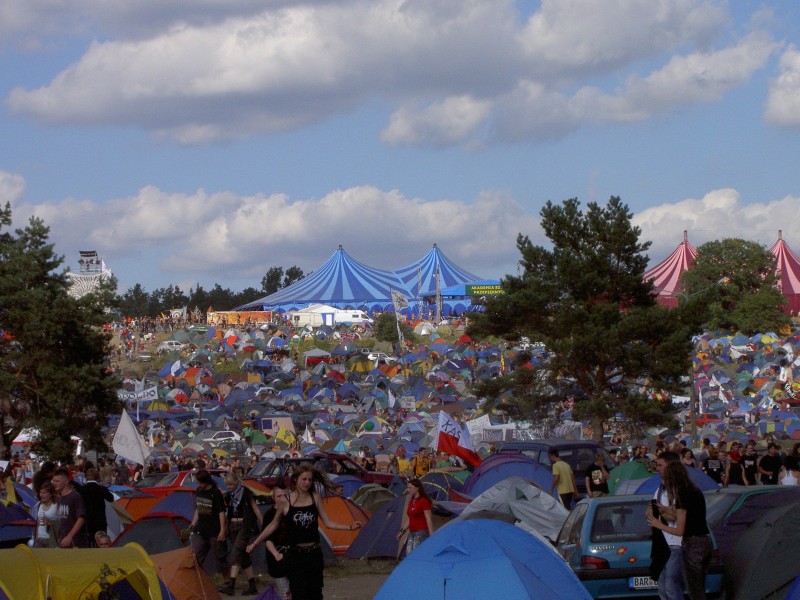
<point x="53" y="371"/>
<point x="608" y="344"/>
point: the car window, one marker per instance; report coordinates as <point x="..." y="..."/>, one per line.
<point x="624" y="522"/>
<point x="579" y="459"/>
<point x="717" y="507"/>
<point x="571" y="530"/>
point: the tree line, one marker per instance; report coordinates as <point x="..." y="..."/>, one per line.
<point x="138" y="302"/>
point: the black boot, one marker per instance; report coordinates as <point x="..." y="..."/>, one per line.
<point x="252" y="590"/>
<point x="228" y="588"/>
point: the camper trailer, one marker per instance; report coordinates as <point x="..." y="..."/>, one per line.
<point x="318" y="315"/>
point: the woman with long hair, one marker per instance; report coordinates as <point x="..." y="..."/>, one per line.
<point x="45" y="535"/>
<point x="301" y="517"/>
<point x="690" y="524"/>
<point x="790" y="475"/>
<point x="417" y="520"/>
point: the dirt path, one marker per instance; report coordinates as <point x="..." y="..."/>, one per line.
<point x="353" y="580"/>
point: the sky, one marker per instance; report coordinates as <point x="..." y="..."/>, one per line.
<point x="205" y="142"/>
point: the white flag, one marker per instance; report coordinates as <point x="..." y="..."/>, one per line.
<point x="399" y="300"/>
<point x="175" y="368"/>
<point x="127" y="441"/>
<point x="392" y="399"/>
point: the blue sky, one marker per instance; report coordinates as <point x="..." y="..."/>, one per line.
<point x="206" y="142"/>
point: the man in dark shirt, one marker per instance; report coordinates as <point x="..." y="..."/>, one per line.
<point x="597" y="478"/>
<point x="770" y="466"/>
<point x="123" y="474"/>
<point x="95" y="497"/>
<point x="71" y="513"/>
<point x="750" y="463"/>
<point x="209" y="526"/>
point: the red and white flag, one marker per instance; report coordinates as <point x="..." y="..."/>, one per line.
<point x="451" y="438"/>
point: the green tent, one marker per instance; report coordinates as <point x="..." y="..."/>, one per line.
<point x="630" y="471"/>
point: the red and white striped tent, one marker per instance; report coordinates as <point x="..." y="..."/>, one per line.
<point x="666" y="275"/>
<point x="787" y="267"/>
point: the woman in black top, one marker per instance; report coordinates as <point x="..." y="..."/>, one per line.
<point x="301" y="518"/>
<point x="696" y="544"/>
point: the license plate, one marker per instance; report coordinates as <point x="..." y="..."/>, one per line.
<point x="642" y="583"/>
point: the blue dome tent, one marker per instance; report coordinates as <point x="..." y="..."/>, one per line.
<point x="480" y="558"/>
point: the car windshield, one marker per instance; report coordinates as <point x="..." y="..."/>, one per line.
<point x="624" y="522"/>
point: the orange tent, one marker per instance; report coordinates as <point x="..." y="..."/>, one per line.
<point x="180" y="572"/>
<point x="137" y="504"/>
<point x="342" y="510"/>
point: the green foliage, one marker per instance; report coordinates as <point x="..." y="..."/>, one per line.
<point x="608" y="341"/>
<point x="733" y="283"/>
<point x="385" y="329"/>
<point x="276" y="279"/>
<point x="53" y="371"/>
<point x="271" y="282"/>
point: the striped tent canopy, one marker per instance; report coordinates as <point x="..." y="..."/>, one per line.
<point x="421" y="275"/>
<point x="787" y="267"/>
<point x="666" y="275"/>
<point x="343" y="282"/>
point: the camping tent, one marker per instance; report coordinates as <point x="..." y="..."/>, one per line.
<point x="623" y="476"/>
<point x="764" y="559"/>
<point x="342" y="510"/>
<point x="482" y="559"/>
<point x="700" y="479"/>
<point x="33" y="574"/>
<point x="526" y="502"/>
<point x="155" y="532"/>
<point x="179" y="570"/>
<point x="498" y="466"/>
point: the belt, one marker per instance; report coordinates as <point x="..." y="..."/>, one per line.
<point x="308" y="548"/>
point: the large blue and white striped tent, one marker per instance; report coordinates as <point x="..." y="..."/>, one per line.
<point x="343" y="282"/>
<point x="421" y="275"/>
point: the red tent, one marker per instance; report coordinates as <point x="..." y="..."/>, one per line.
<point x="787" y="267"/>
<point x="666" y="275"/>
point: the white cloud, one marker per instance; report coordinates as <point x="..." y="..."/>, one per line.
<point x="454" y="69"/>
<point x="12" y="187"/>
<point x="449" y="122"/>
<point x="701" y="77"/>
<point x="783" y="102"/>
<point x="581" y="37"/>
<point x="222" y="237"/>
<point x="718" y="215"/>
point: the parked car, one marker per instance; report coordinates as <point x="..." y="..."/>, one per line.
<point x="579" y="454"/>
<point x="382" y="357"/>
<point x="708" y="419"/>
<point x="730" y="511"/>
<point x="606" y="542"/>
<point x="167" y="482"/>
<point x="269" y="471"/>
<point x="170" y="346"/>
<point x="217" y="437"/>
